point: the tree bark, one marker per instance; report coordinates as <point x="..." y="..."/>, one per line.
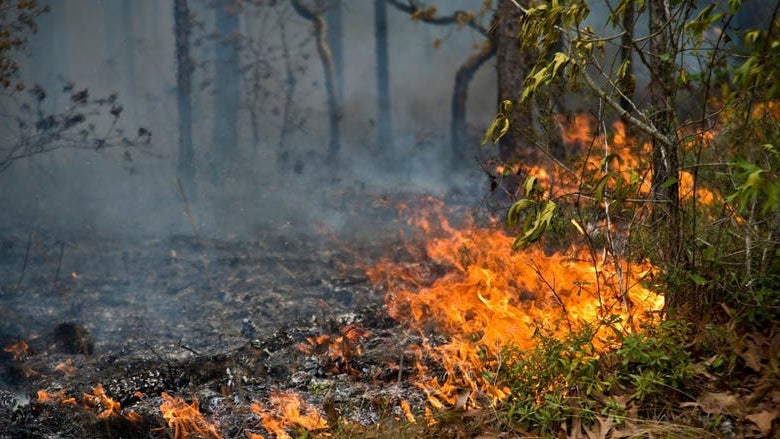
<point x="186" y="165"/>
<point x="384" y="121"/>
<point x="463" y="76"/>
<point x="512" y="66"/>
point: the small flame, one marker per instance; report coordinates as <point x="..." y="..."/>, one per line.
<point x="45" y="396"/>
<point x="186" y="419"/>
<point x="338" y="349"/>
<point x="288" y="411"/>
<point x="97" y="402"/>
<point x="101" y="403"/>
<point x="18" y="350"/>
<point x="67" y="368"/>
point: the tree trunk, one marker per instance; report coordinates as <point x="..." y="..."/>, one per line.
<point x="463" y="76"/>
<point x="335" y="42"/>
<point x="384" y="138"/>
<point x="226" y="91"/>
<point x="666" y="208"/>
<point x="512" y="65"/>
<point x="326" y="57"/>
<point x="186" y="165"/>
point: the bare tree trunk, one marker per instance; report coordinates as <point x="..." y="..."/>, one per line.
<point x="186" y="165"/>
<point x="226" y="91"/>
<point x="289" y="93"/>
<point x="512" y="66"/>
<point x="335" y="41"/>
<point x="666" y="208"/>
<point x="384" y="122"/>
<point x="315" y="15"/>
<point x="463" y="76"/>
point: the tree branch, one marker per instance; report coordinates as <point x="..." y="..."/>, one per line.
<point x="421" y="13"/>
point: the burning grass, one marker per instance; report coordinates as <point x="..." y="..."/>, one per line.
<point x="488" y="298"/>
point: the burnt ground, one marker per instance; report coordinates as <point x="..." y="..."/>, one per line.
<point x="224" y="321"/>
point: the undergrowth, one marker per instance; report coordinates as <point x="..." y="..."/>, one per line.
<point x="565" y="380"/>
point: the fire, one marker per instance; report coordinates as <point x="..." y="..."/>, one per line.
<point x="186" y="419"/>
<point x="101" y="403"/>
<point x="488" y="298"/>
<point x="18" y="349"/>
<point x="44" y="396"/>
<point x="66" y="367"/>
<point x="97" y="402"/>
<point x="289" y="411"/>
<point x="338" y="349"/>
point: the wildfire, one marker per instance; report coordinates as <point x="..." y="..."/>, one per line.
<point x="484" y="297"/>
<point x="288" y="411"/>
<point x="185" y="419"/>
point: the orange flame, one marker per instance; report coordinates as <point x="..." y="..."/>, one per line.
<point x="337" y="348"/>
<point x="99" y="402"/>
<point x="67" y="367"/>
<point x="186" y="419"/>
<point x="489" y="298"/>
<point x="289" y="411"/>
<point x="18" y="349"/>
<point x="44" y="396"/>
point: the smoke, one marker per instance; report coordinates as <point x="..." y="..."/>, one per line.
<point x="99" y="46"/>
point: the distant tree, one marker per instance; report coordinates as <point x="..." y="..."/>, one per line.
<point x="315" y="14"/>
<point x="384" y="131"/>
<point x="226" y="89"/>
<point x="336" y="42"/>
<point x="465" y="72"/>
<point x="184" y="68"/>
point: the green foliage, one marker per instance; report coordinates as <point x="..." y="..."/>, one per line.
<point x="532" y="214"/>
<point x="559" y="380"/>
<point x="500" y="125"/>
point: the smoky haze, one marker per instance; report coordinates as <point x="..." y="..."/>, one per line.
<point x="275" y="177"/>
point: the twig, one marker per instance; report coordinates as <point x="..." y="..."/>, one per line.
<point x="538" y="271"/>
<point x="187" y="348"/>
<point x="187" y="210"/>
<point x="26" y="258"/>
<point x="59" y="263"/>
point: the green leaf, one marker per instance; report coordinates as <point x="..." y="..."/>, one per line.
<point x="531" y="185"/>
<point x="669" y="182"/>
<point x="540" y="224"/>
<point x="516" y="211"/>
<point x="698" y="280"/>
